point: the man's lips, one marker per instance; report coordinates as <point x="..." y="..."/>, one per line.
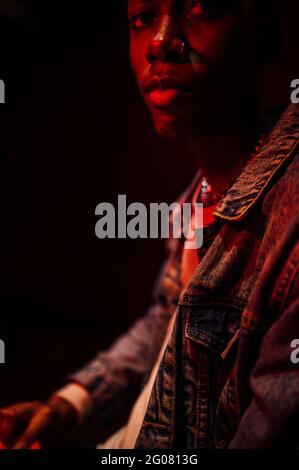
<point x="165" y="91"/>
<point x="165" y="83"/>
<point x="166" y="98"/>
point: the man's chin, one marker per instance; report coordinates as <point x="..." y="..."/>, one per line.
<point x="169" y="126"/>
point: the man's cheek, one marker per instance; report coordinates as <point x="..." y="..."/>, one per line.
<point x="138" y="62"/>
<point x="220" y="44"/>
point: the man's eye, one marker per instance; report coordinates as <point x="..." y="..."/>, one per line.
<point x="141" y="20"/>
<point x="205" y="8"/>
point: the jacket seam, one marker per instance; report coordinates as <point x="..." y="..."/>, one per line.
<point x="285" y="282"/>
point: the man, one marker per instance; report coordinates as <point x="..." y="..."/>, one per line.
<point x="212" y="356"/>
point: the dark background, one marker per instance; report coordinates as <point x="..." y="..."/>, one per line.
<point x="75" y="133"/>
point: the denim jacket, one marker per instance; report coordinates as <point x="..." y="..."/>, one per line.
<point x="226" y="378"/>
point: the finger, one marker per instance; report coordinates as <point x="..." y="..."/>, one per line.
<point x="12" y="416"/>
<point x="21" y="411"/>
<point x="36" y="427"/>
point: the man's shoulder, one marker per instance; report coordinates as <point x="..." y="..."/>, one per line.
<point x="284" y="195"/>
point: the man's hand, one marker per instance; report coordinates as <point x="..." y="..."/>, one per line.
<point x="23" y="424"/>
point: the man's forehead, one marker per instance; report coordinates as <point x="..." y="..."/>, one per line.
<point x="177" y="4"/>
<point x="161" y="2"/>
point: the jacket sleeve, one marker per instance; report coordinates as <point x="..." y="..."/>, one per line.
<point x="116" y="376"/>
<point x="272" y="418"/>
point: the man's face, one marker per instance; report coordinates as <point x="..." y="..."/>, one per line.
<point x="192" y="60"/>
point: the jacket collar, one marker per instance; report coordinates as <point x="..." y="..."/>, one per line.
<point x="258" y="175"/>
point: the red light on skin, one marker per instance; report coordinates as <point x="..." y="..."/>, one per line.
<point x="35" y="446"/>
<point x="166" y="98"/>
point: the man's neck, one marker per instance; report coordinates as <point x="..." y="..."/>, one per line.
<point x="222" y="153"/>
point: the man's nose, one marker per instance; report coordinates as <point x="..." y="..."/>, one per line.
<point x="167" y="45"/>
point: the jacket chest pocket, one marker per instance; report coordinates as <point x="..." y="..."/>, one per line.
<point x="211" y="339"/>
<point x="214" y="327"/>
